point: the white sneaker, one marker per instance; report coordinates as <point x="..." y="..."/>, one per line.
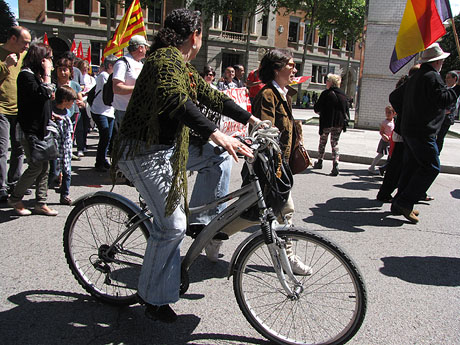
<point x="298" y="267"/>
<point x="212" y="250"/>
<point x="80" y="154"/>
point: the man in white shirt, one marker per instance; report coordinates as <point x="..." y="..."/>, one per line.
<point x="103" y="115"/>
<point x="125" y="73"/>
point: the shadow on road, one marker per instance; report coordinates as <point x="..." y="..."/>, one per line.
<point x="426" y="270"/>
<point x="455" y="193"/>
<point x="57" y="317"/>
<point x="351" y="214"/>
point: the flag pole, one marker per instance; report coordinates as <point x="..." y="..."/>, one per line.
<point x="454" y="30"/>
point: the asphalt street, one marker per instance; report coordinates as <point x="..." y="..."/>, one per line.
<point x="412" y="272"/>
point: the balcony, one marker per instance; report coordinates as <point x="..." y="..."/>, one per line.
<point x="235" y="36"/>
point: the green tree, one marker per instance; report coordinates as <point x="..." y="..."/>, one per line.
<point x="448" y="44"/>
<point x="7" y="20"/>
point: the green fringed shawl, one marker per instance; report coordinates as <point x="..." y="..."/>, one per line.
<point x="164" y="79"/>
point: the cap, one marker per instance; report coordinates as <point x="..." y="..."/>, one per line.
<point x="138" y="40"/>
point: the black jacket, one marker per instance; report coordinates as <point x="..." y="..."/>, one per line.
<point x="332" y="107"/>
<point x="424" y="100"/>
<point x="34" y="104"/>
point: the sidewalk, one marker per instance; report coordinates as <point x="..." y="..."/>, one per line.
<point x="359" y="145"/>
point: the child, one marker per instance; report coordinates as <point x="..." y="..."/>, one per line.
<point x="64" y="99"/>
<point x="386" y="130"/>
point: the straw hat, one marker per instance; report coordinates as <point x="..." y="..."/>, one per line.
<point x="433" y="53"/>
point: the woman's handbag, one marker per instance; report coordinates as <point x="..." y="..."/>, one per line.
<point x="300" y="159"/>
<point x="46" y="149"/>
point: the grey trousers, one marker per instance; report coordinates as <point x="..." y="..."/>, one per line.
<point x="35" y="172"/>
<point x="8" y="135"/>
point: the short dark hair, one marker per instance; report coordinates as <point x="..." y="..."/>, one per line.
<point x="272" y="61"/>
<point x="65" y="93"/>
<point x="68" y="55"/>
<point x="453" y="74"/>
<point x="237" y="67"/>
<point x="64" y="62"/>
<point x="208" y="69"/>
<point x="15" y="31"/>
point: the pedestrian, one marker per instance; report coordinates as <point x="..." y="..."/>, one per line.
<point x="151" y="149"/>
<point x="332" y="107"/>
<point x="227" y="81"/>
<point x="125" y="73"/>
<point x="449" y="119"/>
<point x="386" y="131"/>
<point x="103" y="116"/>
<point x="209" y="75"/>
<point x="239" y="75"/>
<point x="64" y="99"/>
<point x="34" y="112"/>
<point x="11" y="56"/>
<point x="424" y="100"/>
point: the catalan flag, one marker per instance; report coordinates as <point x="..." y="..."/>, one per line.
<point x="300" y="80"/>
<point x="131" y="24"/>
<point x="421" y="25"/>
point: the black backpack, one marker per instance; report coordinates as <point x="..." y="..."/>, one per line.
<point x="107" y="90"/>
<point x="91" y="95"/>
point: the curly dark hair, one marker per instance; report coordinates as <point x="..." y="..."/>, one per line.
<point x="273" y="60"/>
<point x="178" y="26"/>
<point x="33" y="59"/>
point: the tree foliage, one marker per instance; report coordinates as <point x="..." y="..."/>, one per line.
<point x="448" y="45"/>
<point x="7" y="20"/>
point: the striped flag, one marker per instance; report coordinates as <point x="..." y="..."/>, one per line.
<point x="421" y="25"/>
<point x="131" y="24"/>
<point x="299" y="80"/>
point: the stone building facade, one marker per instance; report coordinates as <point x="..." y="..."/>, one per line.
<point x="85" y="21"/>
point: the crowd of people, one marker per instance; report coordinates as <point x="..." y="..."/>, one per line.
<point x="146" y="118"/>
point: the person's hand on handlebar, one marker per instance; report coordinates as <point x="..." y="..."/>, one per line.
<point x="232" y="145"/>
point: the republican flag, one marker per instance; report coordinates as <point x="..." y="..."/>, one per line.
<point x="131" y="24"/>
<point x="80" y="51"/>
<point x="45" y="39"/>
<point x="73" y="48"/>
<point x="299" y="80"/>
<point x="421" y="25"/>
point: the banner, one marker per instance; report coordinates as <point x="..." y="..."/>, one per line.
<point x="131" y="24"/>
<point x="300" y="80"/>
<point x="227" y="124"/>
<point x="73" y="49"/>
<point x="45" y="39"/>
<point x="80" y="51"/>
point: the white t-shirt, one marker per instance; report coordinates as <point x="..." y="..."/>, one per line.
<point x="98" y="106"/>
<point x="128" y="75"/>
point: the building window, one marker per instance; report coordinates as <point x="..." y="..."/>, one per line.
<point x="265" y="25"/>
<point x="229" y="60"/>
<point x="154" y="12"/>
<point x="55" y="5"/>
<point x="319" y="74"/>
<point x="128" y="3"/>
<point x="323" y="41"/>
<point x="95" y="53"/>
<point x="82" y="7"/>
<point x="336" y="44"/>
<point x="294" y="24"/>
<point x="349" y="47"/>
<point x="232" y="22"/>
<point x="308" y="36"/>
<point x="103" y="11"/>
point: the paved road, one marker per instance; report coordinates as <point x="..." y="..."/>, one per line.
<point x="412" y="271"/>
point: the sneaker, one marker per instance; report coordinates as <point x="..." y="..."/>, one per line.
<point x="75" y="158"/>
<point x="44" y="210"/>
<point x="163" y="313"/>
<point x="212" y="250"/>
<point x="373" y="171"/>
<point x="80" y="154"/>
<point x="19" y="208"/>
<point x="298" y="267"/>
<point x="65" y="200"/>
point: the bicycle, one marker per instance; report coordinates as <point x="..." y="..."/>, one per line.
<point x="105" y="237"/>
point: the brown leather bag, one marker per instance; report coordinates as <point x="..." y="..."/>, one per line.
<point x="299" y="160"/>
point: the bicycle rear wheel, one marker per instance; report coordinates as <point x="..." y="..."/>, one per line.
<point x="90" y="230"/>
<point x="329" y="310"/>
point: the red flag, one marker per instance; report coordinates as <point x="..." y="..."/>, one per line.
<point x="80" y="51"/>
<point x="299" y="80"/>
<point x="73" y="48"/>
<point x="88" y="55"/>
<point x="45" y="39"/>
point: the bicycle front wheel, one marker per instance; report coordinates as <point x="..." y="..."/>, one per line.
<point x="329" y="310"/>
<point x="106" y="268"/>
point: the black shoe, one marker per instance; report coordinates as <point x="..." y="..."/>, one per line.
<point x="101" y="168"/>
<point x="384" y="199"/>
<point x="162" y="313"/>
<point x="382" y="171"/>
<point x="318" y="164"/>
<point x="65" y="200"/>
<point x="335" y="170"/>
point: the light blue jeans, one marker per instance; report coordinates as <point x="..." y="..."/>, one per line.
<point x="151" y="173"/>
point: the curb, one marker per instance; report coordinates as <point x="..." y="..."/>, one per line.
<point x="445" y="169"/>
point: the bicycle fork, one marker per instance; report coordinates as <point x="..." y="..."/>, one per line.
<point x="282" y="268"/>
